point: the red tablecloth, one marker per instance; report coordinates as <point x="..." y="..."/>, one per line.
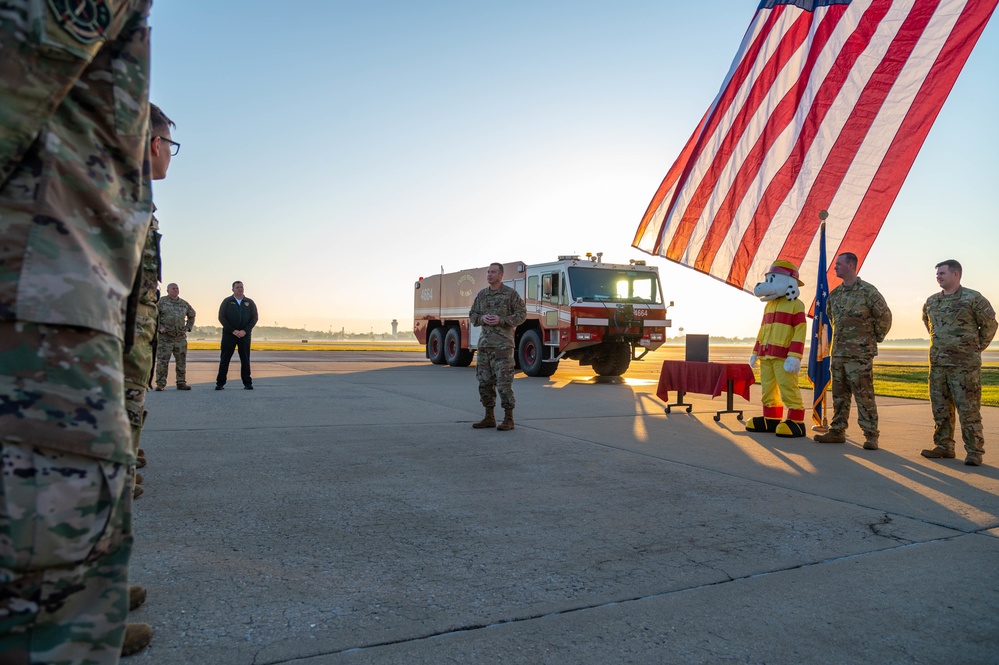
<point x="704" y="378"/>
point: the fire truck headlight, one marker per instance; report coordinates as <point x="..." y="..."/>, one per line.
<point x="584" y="335"/>
<point x="656" y="337"/>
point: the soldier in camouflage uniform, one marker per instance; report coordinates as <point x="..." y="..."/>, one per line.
<point x="75" y="204"/>
<point x="499" y="310"/>
<point x="138" y="362"/>
<point x="860" y="318"/>
<point x="176" y="320"/>
<point x="961" y="323"/>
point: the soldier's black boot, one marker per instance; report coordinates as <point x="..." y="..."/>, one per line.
<point x="507" y="423"/>
<point x="489" y="421"/>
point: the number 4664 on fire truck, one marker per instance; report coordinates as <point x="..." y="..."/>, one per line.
<point x="601" y="314"/>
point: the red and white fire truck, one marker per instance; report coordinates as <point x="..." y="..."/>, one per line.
<point x="601" y="314"/>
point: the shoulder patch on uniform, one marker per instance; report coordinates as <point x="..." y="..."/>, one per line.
<point x="86" y="20"/>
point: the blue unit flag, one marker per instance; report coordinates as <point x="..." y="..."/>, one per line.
<point x="818" y="355"/>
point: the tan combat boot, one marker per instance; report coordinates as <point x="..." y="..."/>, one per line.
<point x="489" y="421"/>
<point x="136" y="596"/>
<point x="973" y="459"/>
<point x="183" y="386"/>
<point x="507" y="423"/>
<point x="870" y="442"/>
<point x="137" y="637"/>
<point x="832" y="436"/>
<point x="938" y="453"/>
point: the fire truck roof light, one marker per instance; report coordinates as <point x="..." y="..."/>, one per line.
<point x="568" y="257"/>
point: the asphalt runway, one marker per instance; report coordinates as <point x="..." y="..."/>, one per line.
<point x="345" y="511"/>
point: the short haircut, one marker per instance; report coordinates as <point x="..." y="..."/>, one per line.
<point x="173" y="284"/>
<point x="850" y="258"/>
<point x="952" y="264"/>
<point x="498" y="265"/>
<point x="158" y="120"/>
<point x="236" y="282"/>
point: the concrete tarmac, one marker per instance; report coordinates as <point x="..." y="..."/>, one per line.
<point x="344" y="511"/>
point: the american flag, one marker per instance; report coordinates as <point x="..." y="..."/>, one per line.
<point x="824" y="108"/>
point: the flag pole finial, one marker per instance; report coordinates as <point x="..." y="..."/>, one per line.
<point x="823" y="214"/>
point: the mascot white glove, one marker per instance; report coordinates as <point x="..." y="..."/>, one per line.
<point x="792" y="365"/>
<point x="752" y="360"/>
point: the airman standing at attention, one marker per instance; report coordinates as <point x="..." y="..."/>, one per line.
<point x="961" y="323"/>
<point x="139" y="361"/>
<point x="860" y="318"/>
<point x="75" y="205"/>
<point x="176" y="320"/>
<point x="499" y="310"/>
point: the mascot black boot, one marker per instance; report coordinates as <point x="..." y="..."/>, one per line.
<point x="768" y="422"/>
<point x="790" y="429"/>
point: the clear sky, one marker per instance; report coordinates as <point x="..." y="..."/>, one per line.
<point x="334" y="152"/>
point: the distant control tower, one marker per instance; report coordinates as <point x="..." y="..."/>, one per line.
<point x="395" y="328"/>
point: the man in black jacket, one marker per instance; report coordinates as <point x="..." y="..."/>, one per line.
<point x="238" y="315"/>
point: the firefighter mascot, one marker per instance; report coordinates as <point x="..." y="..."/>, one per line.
<point x="779" y="347"/>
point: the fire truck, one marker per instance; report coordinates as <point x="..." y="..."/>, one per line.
<point x="601" y="314"/>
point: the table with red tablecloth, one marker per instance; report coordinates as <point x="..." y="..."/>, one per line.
<point x="712" y="379"/>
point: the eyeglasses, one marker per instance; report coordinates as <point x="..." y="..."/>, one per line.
<point x="174" y="146"/>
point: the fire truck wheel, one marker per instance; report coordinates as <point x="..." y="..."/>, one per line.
<point x="435" y="347"/>
<point x="529" y="355"/>
<point x="453" y="353"/>
<point x="614" y="361"/>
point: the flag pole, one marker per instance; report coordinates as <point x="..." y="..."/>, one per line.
<point x="825" y="393"/>
<point x="818" y="360"/>
<point x="825" y="411"/>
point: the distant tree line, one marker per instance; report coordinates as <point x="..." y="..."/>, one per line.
<point x="278" y="333"/>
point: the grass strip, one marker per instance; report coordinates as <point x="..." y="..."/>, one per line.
<point x="911" y="381"/>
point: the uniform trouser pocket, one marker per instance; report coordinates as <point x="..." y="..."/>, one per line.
<point x="63" y="518"/>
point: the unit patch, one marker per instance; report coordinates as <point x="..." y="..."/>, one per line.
<point x="86" y="20"/>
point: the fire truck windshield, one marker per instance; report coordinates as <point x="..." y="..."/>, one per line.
<point x="614" y="285"/>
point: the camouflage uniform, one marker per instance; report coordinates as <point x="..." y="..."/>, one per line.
<point x="494" y="365"/>
<point x="176" y="320"/>
<point x="860" y="319"/>
<point x="74" y="205"/>
<point x="139" y="360"/>
<point x="961" y="326"/>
